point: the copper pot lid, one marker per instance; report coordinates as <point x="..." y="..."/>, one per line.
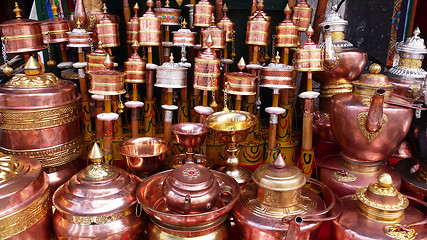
<point x="21" y="178"/>
<point x="381" y="201"/>
<point x="413" y="45"/>
<point x="374" y="79"/>
<point x="99" y="189"/>
<point x="278" y="176"/>
<point x="19" y="20"/>
<point x="191" y="177"/>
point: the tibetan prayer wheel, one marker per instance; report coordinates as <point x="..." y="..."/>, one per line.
<point x="184" y="37"/>
<point x="277" y="75"/>
<point x="135" y="67"/>
<point x="171" y="75"/>
<point x="55" y="30"/>
<point x="258" y="27"/>
<point x="169" y="16"/>
<point x="149" y="27"/>
<point x="79" y="38"/>
<point x="218" y="36"/>
<point x="132" y="26"/>
<point x="227" y="25"/>
<point x="240" y="83"/>
<point x="21" y="35"/>
<point x="108" y="31"/>
<point x="96" y="59"/>
<point x="25" y="207"/>
<point x="107" y="82"/>
<point x="309" y="57"/>
<point x="302" y="14"/>
<point x="287" y="31"/>
<point x="207" y="69"/>
<point x="202" y="14"/>
<point x="41" y="119"/>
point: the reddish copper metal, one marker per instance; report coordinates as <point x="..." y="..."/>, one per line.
<point x="57" y="29"/>
<point x="149" y="28"/>
<point x="95" y="60"/>
<point x="25" y="210"/>
<point x="57" y="175"/>
<point x="240" y="83"/>
<point x="22" y="36"/>
<point x="206" y="71"/>
<point x="309" y="57"/>
<point x="227" y="25"/>
<point x="352" y="225"/>
<point x="218" y="36"/>
<point x="202" y="13"/>
<point x="276" y="75"/>
<point x="169" y="16"/>
<point x="107" y="82"/>
<point x="132" y="28"/>
<point x="108" y="32"/>
<point x="135" y="69"/>
<point x="287" y="32"/>
<point x="184" y="37"/>
<point x="302" y="14"/>
<point x="79" y="38"/>
<point x="258" y="28"/>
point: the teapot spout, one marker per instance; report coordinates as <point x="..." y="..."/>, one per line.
<point x="294" y="229"/>
<point x="374" y="120"/>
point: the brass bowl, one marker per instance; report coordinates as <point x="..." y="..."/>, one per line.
<point x="231" y="126"/>
<point x="143" y="155"/>
<point x="190" y="135"/>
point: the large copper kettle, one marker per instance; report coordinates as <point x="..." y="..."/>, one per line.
<point x="379" y="211"/>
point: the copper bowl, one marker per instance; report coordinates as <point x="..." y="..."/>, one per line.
<point x="190" y="135"/>
<point x="143" y="155"/>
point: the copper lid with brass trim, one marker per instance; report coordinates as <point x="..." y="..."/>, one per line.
<point x="95" y="60"/>
<point x="202" y="13"/>
<point x="374" y="79"/>
<point x="55" y="30"/>
<point x="258" y="27"/>
<point x="207" y="69"/>
<point x="149" y="27"/>
<point x="309" y="57"/>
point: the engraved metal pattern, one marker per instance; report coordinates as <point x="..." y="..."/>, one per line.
<point x="98" y="220"/>
<point x="400" y="232"/>
<point x="343" y="176"/>
<point x="402" y="204"/>
<point x="40" y="118"/>
<point x="191" y="173"/>
<point x="332" y="66"/>
<point x="9" y="166"/>
<point x="24" y="81"/>
<point x="384" y="191"/>
<point x="54" y="156"/>
<point x="408" y="72"/>
<point x="361" y="122"/>
<point x="410" y="63"/>
<point x="23" y="219"/>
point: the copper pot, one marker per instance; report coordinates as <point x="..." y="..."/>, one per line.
<point x="379" y="211"/>
<point x="143" y="155"/>
<point x="98" y="202"/>
<point x="43" y="107"/>
<point x="26" y="210"/>
<point x="372" y="130"/>
<point x="278" y="206"/>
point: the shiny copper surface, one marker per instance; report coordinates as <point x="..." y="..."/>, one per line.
<point x="169" y="16"/>
<point x="240" y="83"/>
<point x="226" y="24"/>
<point x="287" y="31"/>
<point x="184" y="37"/>
<point x="351" y="225"/>
<point x="302" y="14"/>
<point x="217" y="34"/>
<point x="58" y="175"/>
<point x="410" y="169"/>
<point x="202" y="13"/>
<point x="144" y="155"/>
<point x="79" y="38"/>
<point x="55" y="30"/>
<point x="277" y="75"/>
<point x="25" y="210"/>
<point x="132" y="26"/>
<point x="22" y="36"/>
<point x="108" y="32"/>
<point x="149" y="28"/>
<point x="95" y="60"/>
<point x="309" y="57"/>
<point x="179" y="159"/>
<point x="206" y="70"/>
<point x="190" y="135"/>
<point x="258" y="27"/>
<point x="135" y="68"/>
<point x="107" y="82"/>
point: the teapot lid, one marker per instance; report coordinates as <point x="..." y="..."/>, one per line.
<point x="381" y="201"/>
<point x="278" y="176"/>
<point x="413" y="45"/>
<point x="334" y="20"/>
<point x="374" y="79"/>
<point x="170" y="65"/>
<point x="191" y="177"/>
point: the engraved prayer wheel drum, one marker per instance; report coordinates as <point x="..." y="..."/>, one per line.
<point x="184" y="37"/>
<point x="95" y="60"/>
<point x="202" y="14"/>
<point x="55" y="30"/>
<point x="302" y="13"/>
<point x="287" y="31"/>
<point x="97" y="203"/>
<point x="258" y="28"/>
<point x="107" y="82"/>
<point x="277" y="191"/>
<point x="108" y="32"/>
<point x="135" y="69"/>
<point x="228" y="26"/>
<point x="25" y="207"/>
<point x="378" y="211"/>
<point x="132" y="29"/>
<point x="206" y="71"/>
<point x="149" y="29"/>
<point x="309" y="57"/>
<point x="41" y="119"/>
<point x="277" y="76"/>
<point x="240" y="83"/>
<point x="218" y="37"/>
<point x="79" y="38"/>
<point x="22" y="36"/>
<point x="169" y="16"/>
<point x="171" y="75"/>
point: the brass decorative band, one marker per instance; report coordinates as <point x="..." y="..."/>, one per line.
<point x="369" y="92"/>
<point x="308" y="60"/>
<point x="205" y="88"/>
<point x="206" y="74"/>
<point x="379" y="216"/>
<point x="410" y="62"/>
<point x="258" y="43"/>
<point x="19" y="221"/>
<point x="287" y="36"/>
<point x="258" y="32"/>
<point x="53" y="156"/>
<point x="333" y="89"/>
<point x="337" y="36"/>
<point x="107" y="35"/>
<point x="360" y="168"/>
<point x="18" y="37"/>
<point x="207" y="61"/>
<point x="106" y="24"/>
<point x="149" y="43"/>
<point x="202" y="15"/>
<point x="40" y="118"/>
<point x="98" y="220"/>
<point x="309" y="69"/>
<point x="55" y="31"/>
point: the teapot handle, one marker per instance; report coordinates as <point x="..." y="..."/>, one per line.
<point x="187" y="204"/>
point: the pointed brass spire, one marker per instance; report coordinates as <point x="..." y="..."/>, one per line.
<point x="279" y="162"/>
<point x="96" y="155"/>
<point x="136" y="8"/>
<point x="32" y="67"/>
<point x="241" y="65"/>
<point x="54" y="8"/>
<point x="17" y="10"/>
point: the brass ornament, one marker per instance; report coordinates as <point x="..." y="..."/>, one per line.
<point x="344" y="176"/>
<point x="8" y="70"/>
<point x="9" y="166"/>
<point x="24" y="81"/>
<point x="327" y="65"/>
<point x="179" y="2"/>
<point x="361" y="122"/>
<point x="98" y="220"/>
<point x="413" y="91"/>
<point x="400" y="232"/>
<point x="410" y="63"/>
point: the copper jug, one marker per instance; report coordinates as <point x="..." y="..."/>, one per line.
<point x="379" y="211"/>
<point x="99" y="202"/>
<point x="25" y="206"/>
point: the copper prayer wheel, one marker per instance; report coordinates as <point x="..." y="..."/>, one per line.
<point x="41" y="119"/>
<point x="227" y="25"/>
<point x="107" y="82"/>
<point x="302" y="14"/>
<point x="55" y="30"/>
<point x="207" y="69"/>
<point x="277" y="75"/>
<point x="379" y="211"/>
<point x="26" y="209"/>
<point x="171" y="75"/>
<point x="149" y="28"/>
<point x="309" y="57"/>
<point x="169" y="16"/>
<point x="275" y="205"/>
<point x="21" y="35"/>
<point x="258" y="27"/>
<point x="202" y="14"/>
<point x="240" y="83"/>
<point x="108" y="32"/>
<point x="184" y="37"/>
<point x="79" y="38"/>
<point x="287" y="31"/>
<point x="96" y="59"/>
<point x="135" y="67"/>
<point x="97" y="203"/>
<point x="132" y="26"/>
<point x="217" y="35"/>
